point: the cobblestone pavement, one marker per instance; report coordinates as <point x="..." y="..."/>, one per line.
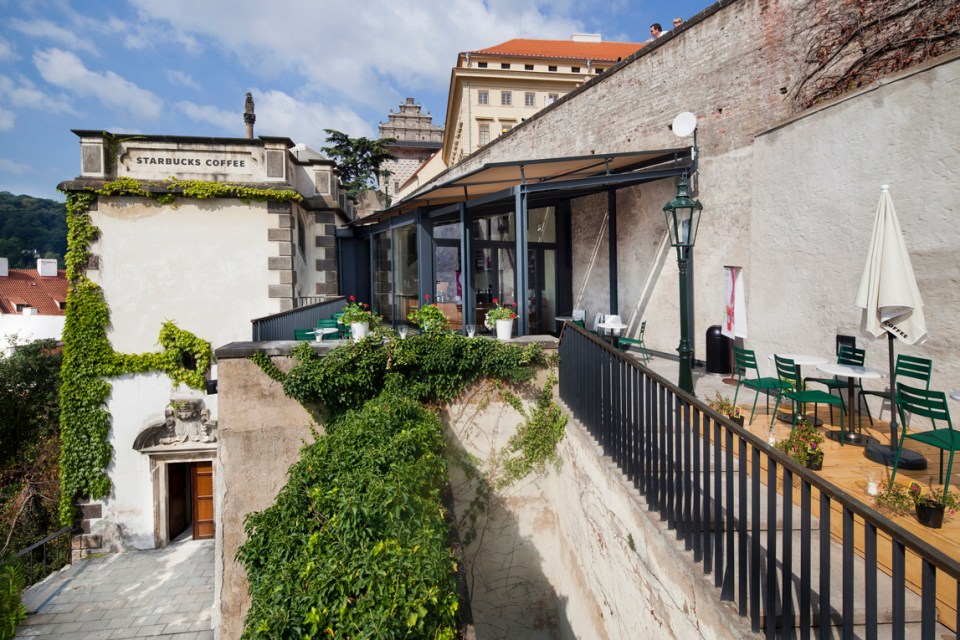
<point x="164" y="593"/>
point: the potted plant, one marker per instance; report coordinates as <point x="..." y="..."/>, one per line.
<point x="358" y="317"/>
<point x="931" y="507"/>
<point x="805" y="445"/>
<point x="501" y="317"/>
<point x="724" y="407"/>
<point x="429" y="317"/>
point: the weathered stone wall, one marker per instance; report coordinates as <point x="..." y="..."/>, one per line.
<point x="572" y="553"/>
<point x="261" y="434"/>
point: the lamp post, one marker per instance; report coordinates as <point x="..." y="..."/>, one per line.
<point x="683" y="218"/>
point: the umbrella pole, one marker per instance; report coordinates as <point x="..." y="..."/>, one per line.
<point x="882" y="453"/>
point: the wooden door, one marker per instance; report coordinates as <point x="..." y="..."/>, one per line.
<point x="203" y="522"/>
<point x="178" y="499"/>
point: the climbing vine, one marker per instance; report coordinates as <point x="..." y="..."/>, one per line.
<point x="356" y="539"/>
<point x="88" y="356"/>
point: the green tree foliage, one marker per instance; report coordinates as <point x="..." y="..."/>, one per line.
<point x="355" y="545"/>
<point x="29" y="225"/>
<point x="358" y="159"/>
<point x="29" y="445"/>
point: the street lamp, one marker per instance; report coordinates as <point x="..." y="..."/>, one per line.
<point x="683" y="218"/>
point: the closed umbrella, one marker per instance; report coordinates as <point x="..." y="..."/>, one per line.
<point x="891" y="305"/>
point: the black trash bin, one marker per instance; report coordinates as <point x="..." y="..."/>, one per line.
<point x="718" y="351"/>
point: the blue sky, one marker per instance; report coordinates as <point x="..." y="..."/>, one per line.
<point x="183" y="67"/>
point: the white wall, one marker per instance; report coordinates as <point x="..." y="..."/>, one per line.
<point x="26" y="329"/>
<point x="202" y="265"/>
<point x="816" y="187"/>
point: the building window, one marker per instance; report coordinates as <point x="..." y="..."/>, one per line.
<point x="483" y="96"/>
<point x="484" y="134"/>
<point x="530" y="99"/>
<point x="528" y="67"/>
<point x="481" y="65"/>
<point x="552" y="67"/>
<point x="506" y="98"/>
<point x="598" y="70"/>
<point x="552" y="97"/>
<point x="574" y="69"/>
<point x="505" y="128"/>
<point x="504" y="65"/>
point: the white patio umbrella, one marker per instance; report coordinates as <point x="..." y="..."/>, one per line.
<point x="891" y="305"/>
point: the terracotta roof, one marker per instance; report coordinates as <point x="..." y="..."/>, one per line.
<point x="26" y="287"/>
<point x="562" y="49"/>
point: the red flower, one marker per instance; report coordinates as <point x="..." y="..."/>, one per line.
<point x="365" y="305"/>
<point x="352" y="299"/>
<point x="496" y="301"/>
<point x="426" y="296"/>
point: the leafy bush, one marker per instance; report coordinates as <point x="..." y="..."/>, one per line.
<point x="428" y="317"/>
<point x="356" y="544"/>
<point x="433" y="367"/>
<point x="12" y="611"/>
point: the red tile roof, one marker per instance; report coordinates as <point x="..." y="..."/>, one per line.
<point x="26" y="287"/>
<point x="563" y="49"/>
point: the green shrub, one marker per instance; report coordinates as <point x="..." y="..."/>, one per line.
<point x="356" y="544"/>
<point x="12" y="611"/>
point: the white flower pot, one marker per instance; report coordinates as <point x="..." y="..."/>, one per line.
<point x="359" y="330"/>
<point x="504" y="329"/>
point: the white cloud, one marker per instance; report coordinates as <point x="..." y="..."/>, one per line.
<point x="9" y="166"/>
<point x="25" y="95"/>
<point x="50" y="31"/>
<point x="6" y="51"/>
<point x="64" y="69"/>
<point x="352" y="49"/>
<point x="280" y="114"/>
<point x="181" y="78"/>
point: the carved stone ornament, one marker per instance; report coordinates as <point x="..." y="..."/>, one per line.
<point x="186" y="424"/>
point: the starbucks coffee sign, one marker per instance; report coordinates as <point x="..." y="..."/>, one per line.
<point x="159" y="164"/>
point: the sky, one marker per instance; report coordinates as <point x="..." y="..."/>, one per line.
<point x="184" y="67"/>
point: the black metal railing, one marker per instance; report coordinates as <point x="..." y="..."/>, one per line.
<point x="281" y="326"/>
<point x="703" y="475"/>
<point x="41" y="558"/>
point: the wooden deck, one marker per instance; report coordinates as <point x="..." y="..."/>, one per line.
<point x="848" y="468"/>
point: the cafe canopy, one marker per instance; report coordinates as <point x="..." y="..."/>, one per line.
<point x="519" y="186"/>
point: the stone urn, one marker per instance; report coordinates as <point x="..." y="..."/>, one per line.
<point x="504" y="329"/>
<point x="359" y="330"/>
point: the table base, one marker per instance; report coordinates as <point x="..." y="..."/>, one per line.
<point x="887" y="455"/>
<point x="851" y="438"/>
<point x="788" y="418"/>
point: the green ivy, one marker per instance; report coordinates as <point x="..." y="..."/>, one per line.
<point x="88" y="356"/>
<point x="355" y="544"/>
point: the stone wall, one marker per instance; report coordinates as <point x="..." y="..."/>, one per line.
<point x="261" y="433"/>
<point x="572" y="553"/>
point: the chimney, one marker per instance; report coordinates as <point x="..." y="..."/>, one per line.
<point x="47" y="267"/>
<point x="587" y="37"/>
<point x="4" y="267"/>
<point x="249" y="117"/>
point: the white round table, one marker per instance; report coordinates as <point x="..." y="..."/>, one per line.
<point x="612" y="326"/>
<point x="955" y="394"/>
<point x="851" y="373"/>
<point x="323" y="331"/>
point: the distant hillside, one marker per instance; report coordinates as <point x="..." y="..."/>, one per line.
<point x="30" y="228"/>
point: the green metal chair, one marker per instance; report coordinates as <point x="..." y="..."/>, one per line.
<point x="746" y="361"/>
<point x="933" y="405"/>
<point x="907" y="367"/>
<point x="790" y="389"/>
<point x="637" y="342"/>
<point x="851" y="356"/>
<point x="303" y="334"/>
<point x="329" y="324"/>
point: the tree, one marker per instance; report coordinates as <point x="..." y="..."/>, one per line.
<point x="358" y="159"/>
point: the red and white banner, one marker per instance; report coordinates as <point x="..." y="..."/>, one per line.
<point x="735" y="304"/>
